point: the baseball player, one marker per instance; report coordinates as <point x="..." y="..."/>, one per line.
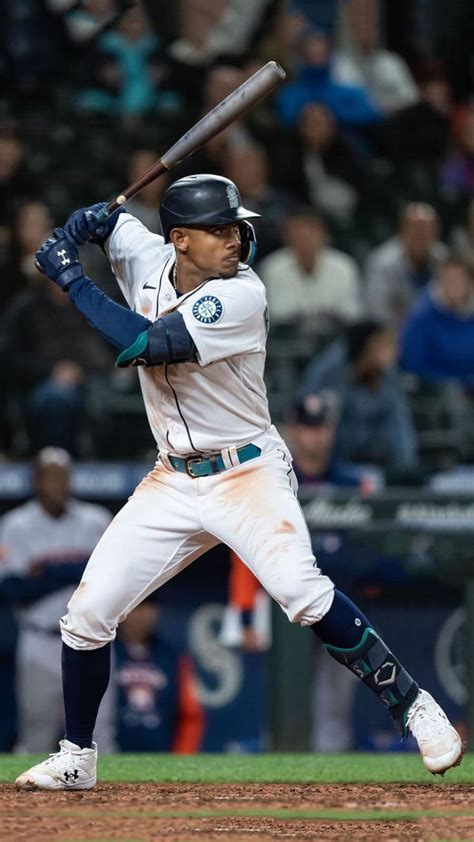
<point x="196" y="328"/>
<point x="46" y="543"/>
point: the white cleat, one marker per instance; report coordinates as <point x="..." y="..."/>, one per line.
<point x="70" y="768"/>
<point x="439" y="743"/>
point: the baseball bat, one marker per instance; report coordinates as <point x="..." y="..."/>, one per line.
<point x="244" y="97"/>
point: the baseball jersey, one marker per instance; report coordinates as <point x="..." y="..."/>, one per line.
<point x="33" y="541"/>
<point x="219" y="400"/>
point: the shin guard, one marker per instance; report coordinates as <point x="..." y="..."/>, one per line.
<point x="377" y="667"/>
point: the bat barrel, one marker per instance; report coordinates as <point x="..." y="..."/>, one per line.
<point x="244" y="97"/>
<point x="237" y="103"/>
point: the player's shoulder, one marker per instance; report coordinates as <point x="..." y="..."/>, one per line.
<point x="130" y="232"/>
<point x="244" y="282"/>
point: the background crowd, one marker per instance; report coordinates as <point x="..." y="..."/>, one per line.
<point x="362" y="167"/>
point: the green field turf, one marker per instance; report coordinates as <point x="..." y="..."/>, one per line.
<point x="265" y="768"/>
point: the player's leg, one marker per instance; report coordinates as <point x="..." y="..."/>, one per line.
<point x="254" y="510"/>
<point x="155" y="535"/>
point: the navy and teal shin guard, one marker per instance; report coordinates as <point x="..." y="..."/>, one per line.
<point x="377" y="667"/>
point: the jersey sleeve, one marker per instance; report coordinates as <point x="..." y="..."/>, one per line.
<point x="226" y="319"/>
<point x="129" y="248"/>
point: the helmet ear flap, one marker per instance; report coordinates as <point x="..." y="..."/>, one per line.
<point x="248" y="239"/>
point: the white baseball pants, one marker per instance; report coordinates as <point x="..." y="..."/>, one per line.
<point x="172" y="519"/>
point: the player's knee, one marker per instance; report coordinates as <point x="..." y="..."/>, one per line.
<point x="86" y="626"/>
<point x="306" y="606"/>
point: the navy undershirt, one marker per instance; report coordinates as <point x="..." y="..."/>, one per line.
<point x="116" y="323"/>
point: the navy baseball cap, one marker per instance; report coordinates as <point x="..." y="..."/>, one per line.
<point x="313" y="410"/>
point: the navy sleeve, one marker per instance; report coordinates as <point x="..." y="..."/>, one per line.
<point x="119" y="325"/>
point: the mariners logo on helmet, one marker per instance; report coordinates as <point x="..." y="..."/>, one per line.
<point x="233" y="196"/>
<point x="208" y="309"/>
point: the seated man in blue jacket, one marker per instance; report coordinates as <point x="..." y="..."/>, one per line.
<point x="437" y="341"/>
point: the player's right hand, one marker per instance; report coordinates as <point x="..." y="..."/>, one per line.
<point x="58" y="259"/>
<point x="91" y="224"/>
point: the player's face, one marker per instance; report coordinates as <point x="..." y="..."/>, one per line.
<point x="214" y="250"/>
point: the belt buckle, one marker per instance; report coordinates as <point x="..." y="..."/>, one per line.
<point x="191" y="461"/>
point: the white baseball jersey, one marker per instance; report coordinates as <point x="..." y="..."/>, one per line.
<point x="219" y="400"/>
<point x="30" y="538"/>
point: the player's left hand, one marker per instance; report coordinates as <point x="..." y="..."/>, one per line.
<point x="91" y="224"/>
<point x="58" y="259"/>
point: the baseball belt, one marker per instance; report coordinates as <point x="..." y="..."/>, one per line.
<point x="205" y="466"/>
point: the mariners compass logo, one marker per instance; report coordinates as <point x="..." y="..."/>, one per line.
<point x="232" y="196"/>
<point x="208" y="309"/>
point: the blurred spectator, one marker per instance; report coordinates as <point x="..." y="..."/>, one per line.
<point x="8" y="643"/>
<point x="321" y="15"/>
<point x="86" y="23"/>
<point x="46" y="544"/>
<point x="128" y="73"/>
<point x="385" y="75"/>
<point x="48" y="349"/>
<point x="351" y="104"/>
<point x="311" y="425"/>
<point x="17" y="183"/>
<point x="237" y="27"/>
<point x="462" y="238"/>
<point x="375" y="423"/>
<point x="438" y="338"/>
<point x="307" y="280"/>
<point x="157" y="703"/>
<point x="32" y="226"/>
<point x="246" y="620"/>
<point x="248" y="167"/>
<point x="191" y="54"/>
<point x="220" y="82"/>
<point x="399" y="268"/>
<point x="34" y="44"/>
<point x="457" y="175"/>
<point x="420" y="132"/>
<point x="318" y="163"/>
<point x="145" y="206"/>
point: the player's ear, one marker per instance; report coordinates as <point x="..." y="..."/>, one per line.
<point x="180" y="239"/>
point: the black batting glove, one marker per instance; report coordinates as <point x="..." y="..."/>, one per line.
<point x="58" y="259"/>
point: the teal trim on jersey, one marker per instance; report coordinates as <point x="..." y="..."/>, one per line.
<point x="128" y="355"/>
<point x="328" y="646"/>
<point x="198" y="466"/>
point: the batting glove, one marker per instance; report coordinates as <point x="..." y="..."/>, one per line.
<point x="91" y="224"/>
<point x="58" y="259"/>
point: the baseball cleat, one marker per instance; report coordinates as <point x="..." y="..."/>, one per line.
<point x="439" y="743"/>
<point x="70" y="768"/>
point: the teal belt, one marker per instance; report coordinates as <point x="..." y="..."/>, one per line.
<point x="204" y="466"/>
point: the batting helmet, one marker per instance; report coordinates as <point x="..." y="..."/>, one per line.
<point x="207" y="200"/>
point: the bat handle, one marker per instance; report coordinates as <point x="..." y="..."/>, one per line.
<point x="105" y="212"/>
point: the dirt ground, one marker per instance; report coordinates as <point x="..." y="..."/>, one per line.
<point x="130" y="813"/>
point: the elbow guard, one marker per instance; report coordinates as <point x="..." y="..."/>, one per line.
<point x="166" y="341"/>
